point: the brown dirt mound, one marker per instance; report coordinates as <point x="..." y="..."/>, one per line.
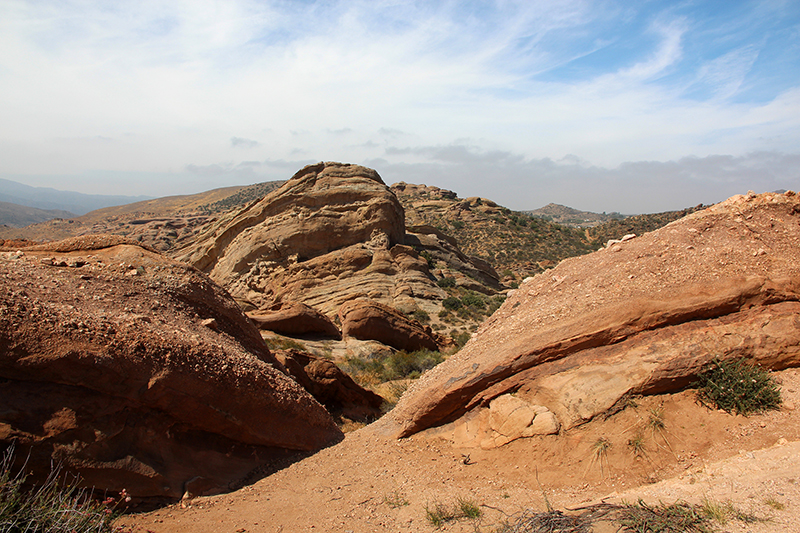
<point x="139" y="372"/>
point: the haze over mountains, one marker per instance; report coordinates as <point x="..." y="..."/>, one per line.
<point x="53" y="199"/>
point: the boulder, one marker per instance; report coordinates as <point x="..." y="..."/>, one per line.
<point x="369" y="320"/>
<point x="139" y="372"/>
<point x="294" y="319"/>
<point x="331" y="386"/>
<point x="643" y="316"/>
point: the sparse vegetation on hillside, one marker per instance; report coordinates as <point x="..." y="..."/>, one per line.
<point x="399" y="365"/>
<point x="517" y="243"/>
<point x="637" y="224"/>
<point x="242" y="197"/>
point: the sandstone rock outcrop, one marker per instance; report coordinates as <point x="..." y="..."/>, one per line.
<point x="139" y="372"/>
<point x="331" y="386"/>
<point x="302" y="243"/>
<point x="294" y="319"/>
<point x="640" y="317"/>
<point x="369" y="320"/>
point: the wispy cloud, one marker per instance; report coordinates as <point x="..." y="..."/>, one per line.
<point x="239" y="142"/>
<point x="209" y="85"/>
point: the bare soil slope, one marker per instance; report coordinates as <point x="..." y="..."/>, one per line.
<point x="370" y="484"/>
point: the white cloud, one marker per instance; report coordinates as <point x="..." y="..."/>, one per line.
<point x="158" y="88"/>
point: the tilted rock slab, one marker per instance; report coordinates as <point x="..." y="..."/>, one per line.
<point x="368" y="320"/>
<point x="640" y="317"/>
<point x="294" y="318"/>
<point x="139" y="372"/>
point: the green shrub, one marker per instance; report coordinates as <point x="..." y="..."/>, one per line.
<point x="473" y="300"/>
<point x="439" y="514"/>
<point x="451" y="303"/>
<point x="461" y="338"/>
<point x="55" y="506"/>
<point x="457" y="224"/>
<point x="446" y="282"/>
<point x="284" y="343"/>
<point x="421" y="316"/>
<point x="737" y="386"/>
<point x="426" y="255"/>
<point x="399" y="365"/>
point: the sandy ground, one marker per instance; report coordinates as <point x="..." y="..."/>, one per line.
<point x="371" y="483"/>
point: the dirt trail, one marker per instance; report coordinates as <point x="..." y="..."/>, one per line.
<point x="369" y="483"/>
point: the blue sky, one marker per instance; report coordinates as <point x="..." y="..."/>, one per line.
<point x="607" y="105"/>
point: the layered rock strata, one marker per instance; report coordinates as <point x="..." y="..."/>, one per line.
<point x="139" y="372"/>
<point x="639" y="317"/>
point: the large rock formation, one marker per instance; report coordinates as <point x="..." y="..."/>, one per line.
<point x="331" y="233"/>
<point x="638" y="317"/>
<point x="139" y="372"/>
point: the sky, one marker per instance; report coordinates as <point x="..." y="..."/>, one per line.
<point x="599" y="105"/>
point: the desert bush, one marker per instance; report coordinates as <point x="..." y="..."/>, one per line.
<point x="439" y="514"/>
<point x="399" y="365"/>
<point x="473" y="300"/>
<point x="426" y="255"/>
<point x="495" y="303"/>
<point x="446" y="282"/>
<point x="421" y="316"/>
<point x="461" y="337"/>
<point x="55" y="506"/>
<point x="737" y="386"/>
<point x="451" y="303"/>
<point x="283" y="343"/>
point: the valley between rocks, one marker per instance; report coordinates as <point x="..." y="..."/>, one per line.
<point x="577" y="390"/>
<point x="360" y="484"/>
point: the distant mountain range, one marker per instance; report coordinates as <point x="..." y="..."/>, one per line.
<point x="53" y="199"/>
<point x="567" y="216"/>
<point x="18" y="216"/>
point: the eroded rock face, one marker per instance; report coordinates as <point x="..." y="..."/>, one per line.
<point x="295" y="319"/>
<point x="641" y="316"/>
<point x="139" y="372"/>
<point x="369" y="320"/>
<point x="331" y="386"/>
<point x="333" y="231"/>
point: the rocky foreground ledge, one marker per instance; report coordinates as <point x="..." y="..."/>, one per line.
<point x="641" y="316"/>
<point x="139" y="372"/>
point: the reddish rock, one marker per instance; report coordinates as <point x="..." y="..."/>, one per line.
<point x="122" y="379"/>
<point x="640" y="317"/>
<point x="330" y="386"/>
<point x="369" y="320"/>
<point x="295" y="319"/>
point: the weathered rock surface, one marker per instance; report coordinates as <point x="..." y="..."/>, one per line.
<point x="332" y="233"/>
<point x="139" y="372"/>
<point x="294" y="319"/>
<point x="328" y="223"/>
<point x="331" y="386"/>
<point x="369" y="320"/>
<point x="640" y="317"/>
